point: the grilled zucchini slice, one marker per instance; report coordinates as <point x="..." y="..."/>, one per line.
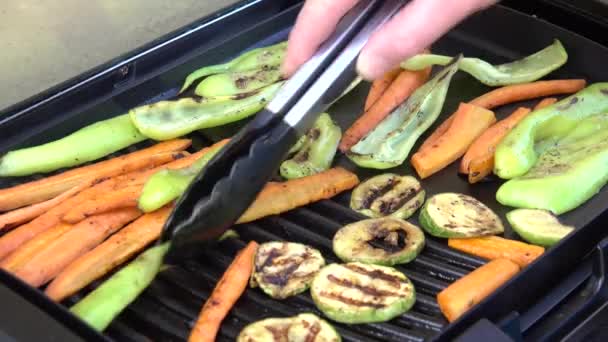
<point x="453" y="215"/>
<point x="361" y="293"/>
<point x="382" y="241"/>
<point x="388" y="194"/>
<point x="284" y="269"/>
<point x="538" y="226"/>
<point x="304" y="327"/>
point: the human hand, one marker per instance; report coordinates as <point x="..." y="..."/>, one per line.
<point x="415" y="27"/>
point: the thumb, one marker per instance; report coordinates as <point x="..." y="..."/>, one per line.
<point x="418" y="25"/>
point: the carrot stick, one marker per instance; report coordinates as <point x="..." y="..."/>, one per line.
<point x="275" y="198"/>
<point x="113" y="252"/>
<point x="471" y="289"/>
<point x="546" y="102"/>
<point x="468" y="123"/>
<point x="484" y="146"/>
<point x="49" y="187"/>
<point x="225" y="294"/>
<point x="496" y="247"/>
<point x="28" y="213"/>
<point x="527" y="91"/>
<point x="122" y="198"/>
<point x="379" y="86"/>
<point x="48" y="261"/>
<point x="401" y="88"/>
<point x="437" y="133"/>
<point x="18" y="236"/>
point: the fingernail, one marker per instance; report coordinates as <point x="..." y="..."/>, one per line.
<point x="370" y="68"/>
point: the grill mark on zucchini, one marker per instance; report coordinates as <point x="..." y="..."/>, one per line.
<point x="388" y="194"/>
<point x="278" y="333"/>
<point x="376" y="193"/>
<point x="350" y="301"/>
<point x="392" y="280"/>
<point x="314" y="331"/>
<point x="389" y="241"/>
<point x="390" y="206"/>
<point x="365" y="289"/>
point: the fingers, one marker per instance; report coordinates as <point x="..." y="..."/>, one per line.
<point x="414" y="28"/>
<point x="315" y="23"/>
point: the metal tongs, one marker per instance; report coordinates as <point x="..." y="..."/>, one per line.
<point x="230" y="182"/>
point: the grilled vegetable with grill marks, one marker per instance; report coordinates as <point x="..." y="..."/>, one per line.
<point x="388" y="195"/>
<point x="170" y="119"/>
<point x="86" y="144"/>
<point x="390" y="142"/>
<point x="304" y="327"/>
<point x="496" y="247"/>
<point x="537" y="226"/>
<point x="362" y="293"/>
<point x="453" y="215"/>
<point x="382" y="241"/>
<point x="284" y="269"/>
<point x="268" y="56"/>
<point x="527" y="69"/>
<point x="315" y="150"/>
<point x="240" y="82"/>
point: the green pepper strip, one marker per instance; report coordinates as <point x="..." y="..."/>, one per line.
<point x="171" y="119"/>
<point x="516" y="153"/>
<point x="86" y="144"/>
<point x="240" y="82"/>
<point x="565" y="175"/>
<point x="107" y="301"/>
<point x="166" y="185"/>
<point x="527" y="69"/>
<point x="389" y="143"/>
<point x="315" y="150"/>
<point x="271" y="55"/>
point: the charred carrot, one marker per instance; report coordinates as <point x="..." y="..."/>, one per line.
<point x="122" y="198"/>
<point x="49" y="187"/>
<point x="379" y="86"/>
<point x="402" y="87"/>
<point x="546" y="102"/>
<point x="113" y="252"/>
<point x="48" y="261"/>
<point x="471" y="289"/>
<point x="528" y="91"/>
<point x="484" y="146"/>
<point x="227" y="291"/>
<point x="468" y="123"/>
<point x="496" y="247"/>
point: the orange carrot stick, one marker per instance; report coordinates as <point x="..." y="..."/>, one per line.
<point x="122" y="198"/>
<point x="48" y="261"/>
<point x="468" y="123"/>
<point x="379" y="86"/>
<point x="49" y="187"/>
<point x="485" y="144"/>
<point x="471" y="289"/>
<point x="496" y="247"/>
<point x="401" y="88"/>
<point x="528" y="91"/>
<point x="113" y="252"/>
<point x="437" y="133"/>
<point x="225" y="294"/>
<point x="546" y="102"/>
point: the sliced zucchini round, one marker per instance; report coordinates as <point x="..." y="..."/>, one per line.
<point x="538" y="226"/>
<point x="388" y="195"/>
<point x="304" y="327"/>
<point x="362" y="293"/>
<point x="382" y="241"/>
<point x="284" y="269"/>
<point x="453" y="215"/>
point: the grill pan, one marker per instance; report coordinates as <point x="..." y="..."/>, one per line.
<point x="168" y="308"/>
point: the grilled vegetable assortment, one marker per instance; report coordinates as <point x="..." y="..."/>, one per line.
<point x="383" y="241"/>
<point x="315" y="151"/>
<point x="284" y="269"/>
<point x="362" y="293"/>
<point x="539" y="227"/>
<point x="452" y="215"/>
<point x="388" y="195"/>
<point x="303" y="327"/>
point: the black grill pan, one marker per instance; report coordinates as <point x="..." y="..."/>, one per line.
<point x="168" y="308"/>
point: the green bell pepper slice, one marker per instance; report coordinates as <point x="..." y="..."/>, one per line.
<point x="240" y="82"/>
<point x="567" y="174"/>
<point x="171" y="119"/>
<point x="315" y="150"/>
<point x="254" y="59"/>
<point x="527" y="69"/>
<point x="389" y="143"/>
<point x="516" y="153"/>
<point x="86" y="144"/>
